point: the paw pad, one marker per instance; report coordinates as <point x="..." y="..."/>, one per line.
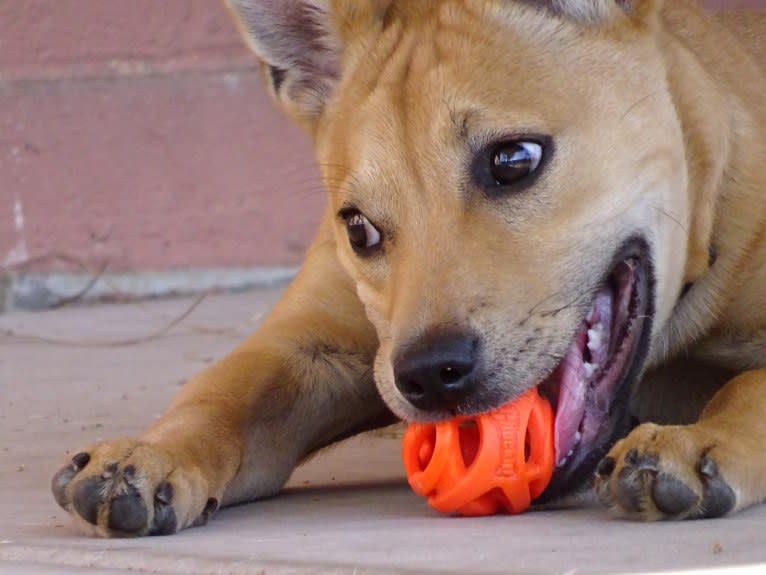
<point x="652" y="479"/>
<point x="131" y="488"/>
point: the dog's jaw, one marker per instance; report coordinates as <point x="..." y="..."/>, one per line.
<point x="592" y="402"/>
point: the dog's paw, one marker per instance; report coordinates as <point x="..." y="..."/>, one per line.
<point x="129" y="488"/>
<point x="664" y="473"/>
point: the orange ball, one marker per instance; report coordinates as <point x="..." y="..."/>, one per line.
<point x="496" y="462"/>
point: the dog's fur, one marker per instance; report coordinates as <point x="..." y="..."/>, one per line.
<point x="657" y="116"/>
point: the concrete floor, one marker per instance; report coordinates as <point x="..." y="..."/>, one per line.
<point x="348" y="511"/>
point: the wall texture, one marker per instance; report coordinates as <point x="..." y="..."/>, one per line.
<point x="137" y="135"/>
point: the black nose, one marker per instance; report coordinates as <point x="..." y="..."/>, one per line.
<point x="437" y="371"/>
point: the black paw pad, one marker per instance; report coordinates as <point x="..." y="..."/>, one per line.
<point x="719" y="497"/>
<point x="59" y="483"/>
<point x="165" y="521"/>
<point x="127" y="512"/>
<point x="88" y="498"/>
<point x="672" y="496"/>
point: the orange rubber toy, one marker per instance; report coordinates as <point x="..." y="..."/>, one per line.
<point x="496" y="462"/>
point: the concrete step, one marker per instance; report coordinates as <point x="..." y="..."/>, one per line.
<point x="65" y="381"/>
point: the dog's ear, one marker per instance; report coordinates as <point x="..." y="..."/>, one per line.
<point x="598" y="11"/>
<point x="298" y="44"/>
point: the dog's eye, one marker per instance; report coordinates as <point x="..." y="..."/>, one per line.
<point x="511" y="162"/>
<point x="363" y="236"/>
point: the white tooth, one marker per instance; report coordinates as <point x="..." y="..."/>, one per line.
<point x="571" y="452"/>
<point x="578" y="437"/>
<point x="595" y="337"/>
<point x="589" y="369"/>
<point x="562" y="463"/>
<point x="593" y="340"/>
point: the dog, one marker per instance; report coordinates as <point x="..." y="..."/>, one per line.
<point x="568" y="194"/>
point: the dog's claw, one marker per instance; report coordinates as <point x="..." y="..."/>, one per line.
<point x="80" y="460"/>
<point x="606" y="466"/>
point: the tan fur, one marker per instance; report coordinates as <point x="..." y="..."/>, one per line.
<point x="659" y="118"/>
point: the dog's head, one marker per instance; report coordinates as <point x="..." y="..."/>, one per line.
<point x="509" y="182"/>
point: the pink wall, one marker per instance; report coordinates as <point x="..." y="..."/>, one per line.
<point x="138" y="134"/>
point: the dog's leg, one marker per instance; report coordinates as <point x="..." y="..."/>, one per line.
<point x="707" y="469"/>
<point x="236" y="431"/>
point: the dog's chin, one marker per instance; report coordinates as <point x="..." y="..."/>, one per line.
<point x="590" y="388"/>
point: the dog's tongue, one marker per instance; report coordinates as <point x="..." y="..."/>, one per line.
<point x="575" y="375"/>
<point x="571" y="402"/>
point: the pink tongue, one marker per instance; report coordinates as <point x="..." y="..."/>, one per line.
<point x="570" y="413"/>
<point x="571" y="402"/>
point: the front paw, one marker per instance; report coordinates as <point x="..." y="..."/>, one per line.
<point x="131" y="488"/>
<point x="667" y="472"/>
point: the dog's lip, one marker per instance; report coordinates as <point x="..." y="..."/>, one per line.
<point x="586" y="414"/>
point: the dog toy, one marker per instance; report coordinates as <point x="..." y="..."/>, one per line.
<point x="496" y="462"/>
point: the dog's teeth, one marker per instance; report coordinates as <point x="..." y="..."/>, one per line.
<point x="596" y="337"/>
<point x="590" y="369"/>
<point x="578" y="437"/>
<point x="571" y="453"/>
<point x="562" y="463"/>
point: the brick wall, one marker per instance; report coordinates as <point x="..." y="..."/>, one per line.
<point x="138" y="134"/>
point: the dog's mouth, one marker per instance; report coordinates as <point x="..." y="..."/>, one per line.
<point x="590" y="388"/>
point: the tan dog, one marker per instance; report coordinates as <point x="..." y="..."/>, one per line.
<point x="568" y="193"/>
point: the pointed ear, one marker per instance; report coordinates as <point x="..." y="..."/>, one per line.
<point x="299" y="48"/>
<point x="598" y="11"/>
